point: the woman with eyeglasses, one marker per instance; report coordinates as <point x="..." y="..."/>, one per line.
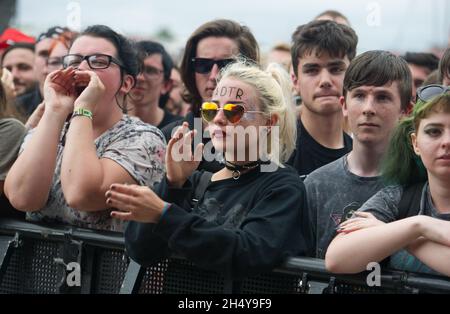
<point x="411" y="218"/>
<point x="84" y="142"/>
<point x="211" y="47"/>
<point x="247" y="217"/>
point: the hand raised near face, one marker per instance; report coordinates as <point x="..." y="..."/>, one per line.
<point x="59" y="93"/>
<point x="7" y="80"/>
<point x="93" y="91"/>
<point x="180" y="162"/>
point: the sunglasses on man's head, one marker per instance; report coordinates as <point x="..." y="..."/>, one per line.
<point x="233" y="112"/>
<point x="205" y="65"/>
<point x="426" y="93"/>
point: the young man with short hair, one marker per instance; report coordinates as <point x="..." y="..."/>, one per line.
<point x="153" y="85"/>
<point x="377" y="93"/>
<point x="321" y="53"/>
<point x="421" y="65"/>
<point x="19" y="60"/>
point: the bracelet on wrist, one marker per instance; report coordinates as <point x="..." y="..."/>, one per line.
<point x="82" y="112"/>
<point x="165" y="208"/>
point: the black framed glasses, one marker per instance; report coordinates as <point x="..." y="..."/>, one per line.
<point x="151" y="72"/>
<point x="96" y="61"/>
<point x="205" y="65"/>
<point x="233" y="112"/>
<point x="426" y="93"/>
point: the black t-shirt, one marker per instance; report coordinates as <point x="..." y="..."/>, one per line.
<point x="239" y="227"/>
<point x="309" y="155"/>
<point x="167" y="119"/>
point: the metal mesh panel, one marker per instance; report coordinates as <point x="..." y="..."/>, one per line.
<point x="13" y="278"/>
<point x="175" y="276"/>
<point x="32" y="269"/>
<point x="272" y="283"/>
<point x="355" y="289"/>
<point x="110" y="271"/>
<point x="153" y="280"/>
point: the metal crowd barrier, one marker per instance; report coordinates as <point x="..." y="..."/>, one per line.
<point x="34" y="259"/>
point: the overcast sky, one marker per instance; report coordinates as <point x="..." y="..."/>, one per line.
<point x="400" y="25"/>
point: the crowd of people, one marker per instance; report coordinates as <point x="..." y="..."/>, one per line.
<point x="230" y="159"/>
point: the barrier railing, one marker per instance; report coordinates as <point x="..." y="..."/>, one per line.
<point x="38" y="258"/>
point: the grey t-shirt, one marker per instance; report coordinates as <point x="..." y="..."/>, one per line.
<point x="136" y="146"/>
<point x="330" y="191"/>
<point x="12" y="132"/>
<point x="384" y="206"/>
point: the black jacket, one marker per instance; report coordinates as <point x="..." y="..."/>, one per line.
<point x="239" y="228"/>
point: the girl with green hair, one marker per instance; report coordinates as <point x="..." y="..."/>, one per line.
<point x="419" y="151"/>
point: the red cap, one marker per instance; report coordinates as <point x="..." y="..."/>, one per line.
<point x="11" y="36"/>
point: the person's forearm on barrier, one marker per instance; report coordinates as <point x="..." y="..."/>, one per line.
<point x="433" y="248"/>
<point x="434" y="255"/>
<point x="352" y="252"/>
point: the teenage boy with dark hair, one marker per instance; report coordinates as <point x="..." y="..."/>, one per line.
<point x="377" y="93"/>
<point x="321" y="53"/>
<point x="421" y="65"/>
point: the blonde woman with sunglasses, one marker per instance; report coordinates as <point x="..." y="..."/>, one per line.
<point x="210" y="47"/>
<point x="243" y="219"/>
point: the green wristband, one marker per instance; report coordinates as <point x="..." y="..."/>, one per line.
<point x="81" y="112"/>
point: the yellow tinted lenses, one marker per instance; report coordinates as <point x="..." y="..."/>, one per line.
<point x="232" y="112"/>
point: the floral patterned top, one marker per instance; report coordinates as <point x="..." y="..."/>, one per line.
<point x="136" y="146"/>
